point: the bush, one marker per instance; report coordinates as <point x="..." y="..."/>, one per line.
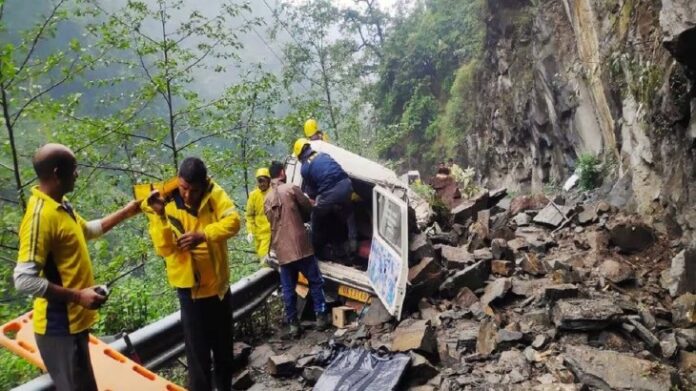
<point x="465" y="180"/>
<point x="590" y="171"/>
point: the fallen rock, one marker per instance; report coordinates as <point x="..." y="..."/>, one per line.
<point x="631" y="236"/>
<point x="467" y="336"/>
<point x="552" y="215"/>
<point x="260" y="355"/>
<point x="588" y="215"/>
<point x="416" y="335"/>
<point x="686" y="338"/>
<point x="539" y="341"/>
<point x="425" y="271"/>
<point x="560" y="291"/>
<point x="312" y="374"/>
<point x="487" y="340"/>
<point x="616" y="272"/>
<point x="420" y="371"/>
<point x="282" y="365"/>
<point x="242" y="381"/>
<point x="483" y="254"/>
<point x="420" y="247"/>
<point x="495" y="290"/>
<point x="470" y="208"/>
<point x="473" y="277"/>
<point x="687" y="362"/>
<point x="502" y="268"/>
<point x="613" y="340"/>
<point x="522" y="219"/>
<point x="585" y="314"/>
<point x="684" y="310"/>
<point x="465" y="298"/>
<point x="608" y="370"/>
<point x="651" y="341"/>
<point x="376" y="314"/>
<point x="501" y="250"/>
<point x="508" y="338"/>
<point x="683" y="273"/>
<point x="532" y="265"/>
<point x="526" y="202"/>
<point x="669" y="345"/>
<point x="518" y="244"/>
<point x="456" y="257"/>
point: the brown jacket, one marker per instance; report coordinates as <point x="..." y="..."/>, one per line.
<point x="287" y="209"/>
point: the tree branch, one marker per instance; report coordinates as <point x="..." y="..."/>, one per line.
<point x="110" y="168"/>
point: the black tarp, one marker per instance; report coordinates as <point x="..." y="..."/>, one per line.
<point x="360" y="369"/>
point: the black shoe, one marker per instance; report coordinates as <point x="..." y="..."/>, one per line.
<point x="294" y="329"/>
<point x="322" y="322"/>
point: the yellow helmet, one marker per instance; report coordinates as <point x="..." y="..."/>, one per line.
<point x="263" y="172"/>
<point x="299" y="144"/>
<point x="310" y="127"/>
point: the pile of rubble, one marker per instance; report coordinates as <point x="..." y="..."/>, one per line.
<point x="531" y="294"/>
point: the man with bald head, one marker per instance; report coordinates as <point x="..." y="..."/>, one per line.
<point x="53" y="265"/>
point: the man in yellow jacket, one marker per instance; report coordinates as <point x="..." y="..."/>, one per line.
<point x="258" y="228"/>
<point x="190" y="228"/>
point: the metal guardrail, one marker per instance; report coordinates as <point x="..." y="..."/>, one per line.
<point x="160" y="342"/>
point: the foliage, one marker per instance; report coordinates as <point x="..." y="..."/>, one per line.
<point x="465" y="179"/>
<point x="590" y="171"/>
<point x="424" y="190"/>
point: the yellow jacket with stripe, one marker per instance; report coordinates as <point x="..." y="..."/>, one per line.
<point x="53" y="245"/>
<point x="256" y="222"/>
<point x="216" y="217"/>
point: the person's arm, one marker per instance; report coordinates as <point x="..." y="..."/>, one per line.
<point x="303" y="203"/>
<point x="34" y="245"/>
<point x="250" y="217"/>
<point x="228" y="221"/>
<point x="96" y="228"/>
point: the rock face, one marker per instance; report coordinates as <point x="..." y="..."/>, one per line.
<point x="608" y="370"/>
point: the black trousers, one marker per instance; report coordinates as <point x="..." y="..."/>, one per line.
<point x="67" y="360"/>
<point x="207" y="328"/>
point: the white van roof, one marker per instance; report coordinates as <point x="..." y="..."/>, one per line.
<point x="359" y="167"/>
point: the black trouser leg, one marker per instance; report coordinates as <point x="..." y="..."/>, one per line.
<point x="223" y="341"/>
<point x="197" y="342"/>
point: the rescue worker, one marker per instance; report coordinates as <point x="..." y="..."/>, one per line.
<point x="258" y="229"/>
<point x="53" y="265"/>
<point x="312" y="132"/>
<point x="324" y="181"/>
<point x="190" y="229"/>
<point x="287" y="209"/>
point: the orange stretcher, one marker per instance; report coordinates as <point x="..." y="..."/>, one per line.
<point x="112" y="370"/>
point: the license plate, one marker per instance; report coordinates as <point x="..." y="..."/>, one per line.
<point x="354" y="294"/>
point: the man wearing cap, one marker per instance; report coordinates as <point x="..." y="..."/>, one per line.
<point x="258" y="228"/>
<point x="324" y="181"/>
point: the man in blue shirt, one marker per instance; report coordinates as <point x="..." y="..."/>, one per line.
<point x="325" y="182"/>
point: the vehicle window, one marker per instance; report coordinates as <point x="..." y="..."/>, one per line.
<point x="389" y="222"/>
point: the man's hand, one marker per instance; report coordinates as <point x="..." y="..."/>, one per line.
<point x="89" y="298"/>
<point x="190" y="240"/>
<point x="250" y="238"/>
<point x="132" y="208"/>
<point x="156" y="202"/>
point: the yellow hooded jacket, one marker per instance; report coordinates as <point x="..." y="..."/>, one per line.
<point x="216" y="217"/>
<point x="256" y="222"/>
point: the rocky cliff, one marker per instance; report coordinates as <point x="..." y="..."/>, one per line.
<point x="615" y="78"/>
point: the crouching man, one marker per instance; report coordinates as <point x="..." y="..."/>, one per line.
<point x="287" y="209"/>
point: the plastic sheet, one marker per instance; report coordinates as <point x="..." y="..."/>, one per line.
<point x="363" y="370"/>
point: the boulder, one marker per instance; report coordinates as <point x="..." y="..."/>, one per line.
<point x="282" y="365"/>
<point x="682" y="273"/>
<point x="376" y="314"/>
<point x="615" y="271"/>
<point x="473" y="277"/>
<point x="420" y="247"/>
<point x="470" y="208"/>
<point x="588" y="215"/>
<point x="684" y="310"/>
<point x="416" y="335"/>
<point x="609" y="370"/>
<point x="585" y="314"/>
<point x="495" y="290"/>
<point x="465" y="298"/>
<point x="260" y="355"/>
<point x="456" y="257"/>
<point x="502" y="268"/>
<point x="552" y="215"/>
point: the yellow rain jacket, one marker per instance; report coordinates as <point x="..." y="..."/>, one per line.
<point x="217" y="218"/>
<point x="256" y="222"/>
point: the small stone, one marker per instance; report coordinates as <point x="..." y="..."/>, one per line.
<point x="560" y="291"/>
<point x="312" y="374"/>
<point x="282" y="365"/>
<point x="669" y="346"/>
<point x="518" y="244"/>
<point x="614" y="341"/>
<point x="532" y="265"/>
<point x="508" y="337"/>
<point x="465" y="298"/>
<point x="260" y="355"/>
<point x="522" y="219"/>
<point x="484" y="254"/>
<point x="456" y="257"/>
<point x="585" y="314"/>
<point x="501" y="250"/>
<point x="418" y="336"/>
<point x="495" y="290"/>
<point x="616" y="272"/>
<point x="682" y="273"/>
<point x="473" y="277"/>
<point x="486" y="342"/>
<point x="539" y="342"/>
<point x="684" y="310"/>
<point x="643" y="333"/>
<point x="502" y="268"/>
<point x="588" y="215"/>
